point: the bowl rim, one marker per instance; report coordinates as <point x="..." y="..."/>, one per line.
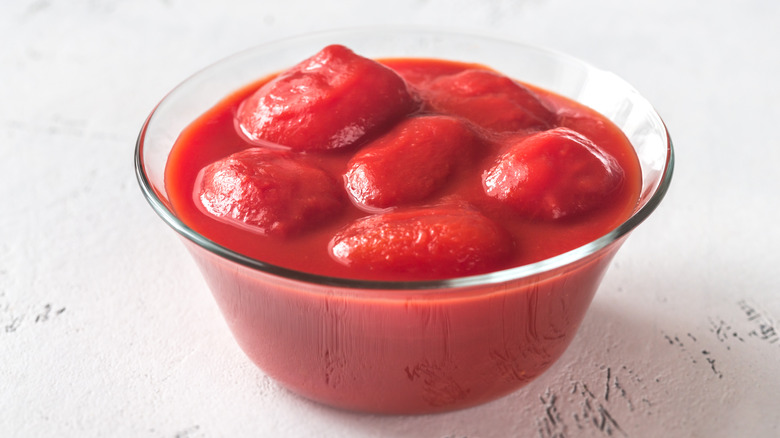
<point x="504" y="275"/>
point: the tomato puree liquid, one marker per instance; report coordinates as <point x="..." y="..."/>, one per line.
<point x="401" y="170"/>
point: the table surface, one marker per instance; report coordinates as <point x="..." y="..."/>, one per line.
<point x="107" y="328"/>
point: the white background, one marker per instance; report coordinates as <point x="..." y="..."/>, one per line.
<point x="107" y="329"/>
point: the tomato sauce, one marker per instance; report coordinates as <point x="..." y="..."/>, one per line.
<point x="511" y="174"/>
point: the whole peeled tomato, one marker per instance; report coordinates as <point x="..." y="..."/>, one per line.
<point x="332" y="100"/>
<point x="490" y="100"/>
<point x="267" y="191"/>
<point x="433" y="241"/>
<point x="553" y="174"/>
<point x="410" y="162"/>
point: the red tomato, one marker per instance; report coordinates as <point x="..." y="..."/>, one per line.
<point x="430" y="242"/>
<point x="253" y="189"/>
<point x="410" y="162"/>
<point x="553" y="174"/>
<point x="332" y="100"/>
<point x="489" y="100"/>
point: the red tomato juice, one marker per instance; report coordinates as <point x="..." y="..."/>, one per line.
<point x="214" y="136"/>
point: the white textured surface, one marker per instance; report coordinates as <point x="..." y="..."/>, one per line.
<point x="106" y="328"/>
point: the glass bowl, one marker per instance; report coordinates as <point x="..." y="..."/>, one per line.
<point x="406" y="347"/>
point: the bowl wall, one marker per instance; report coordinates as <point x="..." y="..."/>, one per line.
<point x="391" y="351"/>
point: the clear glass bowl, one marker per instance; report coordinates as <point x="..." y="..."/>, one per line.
<point x="407" y="347"/>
